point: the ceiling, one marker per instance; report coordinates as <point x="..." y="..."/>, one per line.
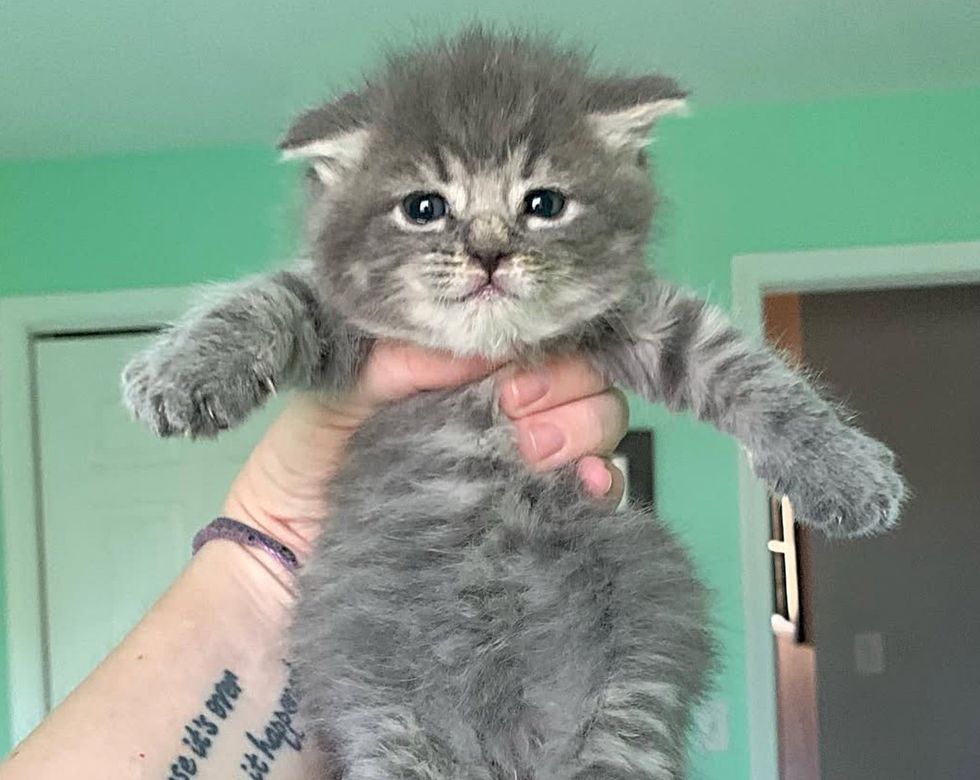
<point x="93" y="76"/>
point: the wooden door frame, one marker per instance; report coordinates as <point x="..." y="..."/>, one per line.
<point x="23" y="319"/>
<point x="753" y="277"/>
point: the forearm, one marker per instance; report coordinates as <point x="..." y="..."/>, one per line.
<point x="197" y="690"/>
<point x="679" y="350"/>
<point x="223" y="359"/>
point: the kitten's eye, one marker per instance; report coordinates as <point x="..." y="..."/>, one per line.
<point x="425" y="207"/>
<point x="546" y="204"/>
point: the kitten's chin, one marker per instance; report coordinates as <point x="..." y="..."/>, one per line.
<point x="490" y="324"/>
<point x="498" y="327"/>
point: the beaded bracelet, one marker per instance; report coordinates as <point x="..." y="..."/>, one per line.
<point x="226" y="528"/>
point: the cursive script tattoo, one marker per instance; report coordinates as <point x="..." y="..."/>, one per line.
<point x="278" y="733"/>
<point x="201" y="730"/>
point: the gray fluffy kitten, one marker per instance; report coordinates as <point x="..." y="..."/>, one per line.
<point x="464" y="617"/>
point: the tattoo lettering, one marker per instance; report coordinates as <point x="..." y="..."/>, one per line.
<point x="200" y="731"/>
<point x="226" y="692"/>
<point x="183" y="768"/>
<point x="195" y="740"/>
<point x="280" y="732"/>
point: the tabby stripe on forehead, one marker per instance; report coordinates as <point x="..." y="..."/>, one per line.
<point x="440" y="162"/>
<point x="531" y="157"/>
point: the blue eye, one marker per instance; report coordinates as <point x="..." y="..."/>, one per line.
<point x="425" y="207"/>
<point x="546" y="204"/>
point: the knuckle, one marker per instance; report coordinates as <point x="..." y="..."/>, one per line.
<point x="612" y="413"/>
<point x="591" y="377"/>
<point x="622" y="411"/>
<point x="577" y="375"/>
<point x="591" y="429"/>
<point x="596" y="421"/>
<point x="584" y="366"/>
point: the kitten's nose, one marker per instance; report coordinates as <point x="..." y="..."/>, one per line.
<point x="489" y="259"/>
<point x="487" y="240"/>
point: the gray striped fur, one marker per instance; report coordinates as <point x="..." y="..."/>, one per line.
<point x="464" y="618"/>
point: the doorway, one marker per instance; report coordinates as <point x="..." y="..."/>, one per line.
<point x="872" y="675"/>
<point x="878" y="680"/>
<point x="97" y="513"/>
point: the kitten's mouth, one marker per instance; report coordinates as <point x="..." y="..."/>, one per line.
<point x="488" y="291"/>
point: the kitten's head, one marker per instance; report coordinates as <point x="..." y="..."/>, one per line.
<point x="481" y="195"/>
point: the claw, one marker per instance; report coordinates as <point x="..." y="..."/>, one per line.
<point x="210" y="411"/>
<point x="160" y="422"/>
<point x="271" y="385"/>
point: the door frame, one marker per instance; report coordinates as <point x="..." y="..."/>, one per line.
<point x="24" y="319"/>
<point x="827" y="270"/>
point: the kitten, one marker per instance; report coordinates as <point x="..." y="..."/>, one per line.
<point x="464" y="617"/>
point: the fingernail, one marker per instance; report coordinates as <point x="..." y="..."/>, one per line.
<point x="527" y="388"/>
<point x="543" y="440"/>
<point x="603" y="483"/>
<point x="595" y="476"/>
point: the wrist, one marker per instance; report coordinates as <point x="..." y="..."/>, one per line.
<point x="281" y="487"/>
<point x="245" y="587"/>
<point x="297" y="530"/>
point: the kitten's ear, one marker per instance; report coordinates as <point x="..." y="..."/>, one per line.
<point x="623" y="110"/>
<point x="333" y="137"/>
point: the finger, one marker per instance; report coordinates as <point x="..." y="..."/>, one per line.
<point x="588" y="426"/>
<point x="396" y="370"/>
<point x="526" y="391"/>
<point x="601" y="478"/>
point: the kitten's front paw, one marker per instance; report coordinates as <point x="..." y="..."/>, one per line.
<point x="847" y="487"/>
<point x="191" y="394"/>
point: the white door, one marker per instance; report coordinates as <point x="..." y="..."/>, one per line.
<point x="118" y="507"/>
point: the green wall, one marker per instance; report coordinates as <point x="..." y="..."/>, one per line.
<point x="900" y="169"/>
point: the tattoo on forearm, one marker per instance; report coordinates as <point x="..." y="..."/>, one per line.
<point x="278" y="733"/>
<point x="200" y="731"/>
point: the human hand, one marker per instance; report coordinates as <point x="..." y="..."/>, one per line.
<point x="562" y="412"/>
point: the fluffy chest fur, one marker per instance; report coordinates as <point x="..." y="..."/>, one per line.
<point x="467" y="608"/>
<point x="463" y="618"/>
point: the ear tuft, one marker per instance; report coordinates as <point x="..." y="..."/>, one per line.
<point x="333" y="137"/>
<point x="623" y="110"/>
<point x="330" y="157"/>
